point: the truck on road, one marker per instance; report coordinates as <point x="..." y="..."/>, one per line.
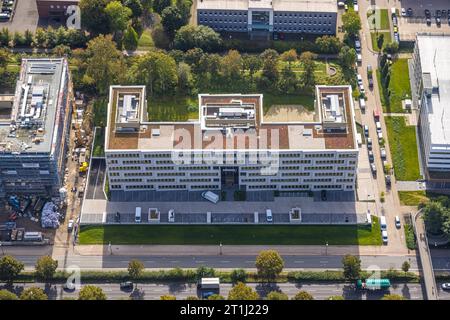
<point x="373" y="284"/>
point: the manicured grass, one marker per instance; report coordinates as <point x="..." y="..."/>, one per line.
<point x="173" y="108"/>
<point x="270" y="99"/>
<point x="403" y="145"/>
<point x="232" y="234"/>
<point x="399" y="85"/>
<point x="387" y="39"/>
<point x="412" y="198"/>
<point x="99" y="143"/>
<point x="145" y="41"/>
<point x="381" y="19"/>
<point x="410" y="237"/>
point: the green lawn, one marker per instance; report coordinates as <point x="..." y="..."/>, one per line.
<point x="381" y="19"/>
<point x="99" y="143"/>
<point x="403" y="145"/>
<point x="399" y="85"/>
<point x="270" y="99"/>
<point x="412" y="198"/>
<point x="387" y="39"/>
<point x="145" y="41"/>
<point x="232" y="234"/>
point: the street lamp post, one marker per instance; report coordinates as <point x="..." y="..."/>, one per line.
<point x="220" y="248"/>
<point x="326" y="248"/>
<point x="110" y="248"/>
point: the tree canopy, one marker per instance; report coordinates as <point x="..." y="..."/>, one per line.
<point x="269" y="264"/>
<point x="91" y="292"/>
<point x="351" y="22"/>
<point x="242" y="292"/>
<point x="33" y="293"/>
<point x="10" y="268"/>
<point x="303" y="295"/>
<point x="46" y="268"/>
<point x="203" y="37"/>
<point x="352" y="267"/>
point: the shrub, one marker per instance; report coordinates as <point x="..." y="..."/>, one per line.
<point x="238" y="275"/>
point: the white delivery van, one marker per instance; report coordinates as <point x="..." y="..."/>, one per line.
<point x="384" y="235"/>
<point x="137" y="216"/>
<point x="355" y="8"/>
<point x="383" y="223"/>
<point x="378" y="124"/>
<point x="362" y="104"/>
<point x="210" y="196"/>
<point x="269" y="216"/>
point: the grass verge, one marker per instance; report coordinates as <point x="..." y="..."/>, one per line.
<point x="410" y="237"/>
<point x="232" y="234"/>
<point x="387" y="39"/>
<point x="403" y="145"/>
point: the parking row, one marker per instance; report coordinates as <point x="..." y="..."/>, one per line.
<point x="7" y="10"/>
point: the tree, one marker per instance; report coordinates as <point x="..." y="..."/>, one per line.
<point x="242" y="292"/>
<point x="7" y="295"/>
<point x="105" y="64"/>
<point x="18" y="39"/>
<point x="5" y="37"/>
<point x="288" y="80"/>
<point x="307" y="78"/>
<point x="336" y="298"/>
<point x="168" y="297"/>
<point x="185" y="78"/>
<point x="270" y="73"/>
<point x="135" y="268"/>
<point x="251" y="63"/>
<point x="130" y="39"/>
<point x="380" y="41"/>
<point x="204" y="272"/>
<point x="347" y="57"/>
<point x="238" y="275"/>
<point x="328" y="44"/>
<point x="160" y="38"/>
<point x="118" y="15"/>
<point x="434" y="214"/>
<point x="189" y="36"/>
<point x="289" y="57"/>
<point x="405" y="267"/>
<point x="91" y="292"/>
<point x="276" y="295"/>
<point x="231" y="66"/>
<point x="157" y="70"/>
<point x="135" y="7"/>
<point x="391" y="47"/>
<point x="28" y="38"/>
<point x="94" y="17"/>
<point x="33" y="293"/>
<point x="352" y="267"/>
<point x="303" y="295"/>
<point x="269" y="264"/>
<point x="393" y="297"/>
<point x="216" y="297"/>
<point x="39" y="38"/>
<point x="351" y="22"/>
<point x="51" y="39"/>
<point x="172" y="19"/>
<point x="46" y="268"/>
<point x="160" y="5"/>
<point x="10" y="268"/>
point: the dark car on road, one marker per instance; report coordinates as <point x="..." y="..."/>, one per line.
<point x="438" y="21"/>
<point x="127" y="285"/>
<point x="438" y="13"/>
<point x="427" y="13"/>
<point x="409" y="12"/>
<point x="428" y="22"/>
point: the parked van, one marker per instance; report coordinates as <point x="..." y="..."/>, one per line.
<point x="4" y="16"/>
<point x="384" y="235"/>
<point x="210" y="196"/>
<point x="137" y="216"/>
<point x="269" y="216"/>
<point x="362" y="103"/>
<point x="32" y="236"/>
<point x="378" y="124"/>
<point x="356" y="8"/>
<point x="383" y="223"/>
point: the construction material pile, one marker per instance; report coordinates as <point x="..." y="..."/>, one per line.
<point x="50" y="216"/>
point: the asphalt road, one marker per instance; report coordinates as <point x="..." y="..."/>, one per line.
<point x="182" y="290"/>
<point x="292" y="262"/>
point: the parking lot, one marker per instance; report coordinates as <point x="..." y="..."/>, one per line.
<point x="419" y="6"/>
<point x="24" y="16"/>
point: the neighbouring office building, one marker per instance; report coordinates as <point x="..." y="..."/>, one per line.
<point x="34" y="136"/>
<point x="269" y="16"/>
<point x="431" y="78"/>
<point x="231" y="145"/>
<point x="54" y="9"/>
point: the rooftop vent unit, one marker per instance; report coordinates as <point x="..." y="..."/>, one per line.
<point x="156" y="132"/>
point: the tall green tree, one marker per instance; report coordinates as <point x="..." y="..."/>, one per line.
<point x="252" y="64"/>
<point x="289" y="56"/>
<point x="118" y="15"/>
<point x="46" y="268"/>
<point x="189" y="36"/>
<point x="307" y="78"/>
<point x="135" y="7"/>
<point x="7" y="295"/>
<point x="347" y="57"/>
<point x="352" y="267"/>
<point x="91" y="292"/>
<point x="130" y="38"/>
<point x="242" y="292"/>
<point x="135" y="268"/>
<point x="185" y="79"/>
<point x="172" y="19"/>
<point x="10" y="268"/>
<point x="405" y="266"/>
<point x="269" y="264"/>
<point x="270" y="73"/>
<point x="380" y="41"/>
<point x="160" y="5"/>
<point x="94" y="17"/>
<point x="105" y="64"/>
<point x="351" y="22"/>
<point x="33" y="293"/>
<point x="158" y="71"/>
<point x="328" y="44"/>
<point x="434" y="215"/>
<point x="231" y="66"/>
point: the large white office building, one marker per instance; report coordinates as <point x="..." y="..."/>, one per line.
<point x="231" y="145"/>
<point x="431" y="76"/>
<point x="268" y="16"/>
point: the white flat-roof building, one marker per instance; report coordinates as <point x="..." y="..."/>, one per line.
<point x="269" y="16"/>
<point x="231" y="144"/>
<point x="431" y="65"/>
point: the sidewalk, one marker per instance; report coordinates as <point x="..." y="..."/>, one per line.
<point x="180" y="250"/>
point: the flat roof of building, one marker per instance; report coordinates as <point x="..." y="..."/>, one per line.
<point x="37" y="97"/>
<point x="236" y="122"/>
<point x="276" y="5"/>
<point x="434" y="53"/>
